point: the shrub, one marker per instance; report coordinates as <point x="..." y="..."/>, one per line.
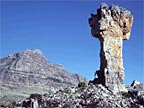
<point x="82" y="85"/>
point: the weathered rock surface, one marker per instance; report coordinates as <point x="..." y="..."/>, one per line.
<point x="111" y="25"/>
<point x="91" y="96"/>
<point x="136" y="87"/>
<point x="29" y="72"/>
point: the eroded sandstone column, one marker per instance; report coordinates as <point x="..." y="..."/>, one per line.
<point x="111" y="25"/>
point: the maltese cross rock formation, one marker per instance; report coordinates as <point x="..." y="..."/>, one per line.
<point x="111" y="25"/>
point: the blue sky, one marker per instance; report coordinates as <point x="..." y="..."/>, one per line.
<point x="61" y="31"/>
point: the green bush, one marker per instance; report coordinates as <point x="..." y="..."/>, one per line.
<point x="82" y="85"/>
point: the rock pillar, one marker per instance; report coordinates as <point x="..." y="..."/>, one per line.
<point x="111" y="25"/>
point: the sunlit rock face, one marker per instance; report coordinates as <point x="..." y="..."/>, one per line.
<point x="111" y="25"/>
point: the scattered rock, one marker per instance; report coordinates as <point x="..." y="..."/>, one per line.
<point x="91" y="96"/>
<point x="135" y="83"/>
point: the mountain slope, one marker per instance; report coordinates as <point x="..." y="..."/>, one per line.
<point x="29" y="72"/>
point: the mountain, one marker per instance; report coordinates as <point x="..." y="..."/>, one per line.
<point x="29" y="72"/>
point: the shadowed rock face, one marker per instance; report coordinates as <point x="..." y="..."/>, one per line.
<point x="111" y="25"/>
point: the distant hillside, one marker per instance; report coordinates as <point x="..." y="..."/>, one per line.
<point x="29" y="72"/>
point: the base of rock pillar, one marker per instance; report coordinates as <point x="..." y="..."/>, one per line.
<point x="117" y="88"/>
<point x="112" y="87"/>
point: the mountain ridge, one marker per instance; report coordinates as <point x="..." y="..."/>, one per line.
<point x="29" y="72"/>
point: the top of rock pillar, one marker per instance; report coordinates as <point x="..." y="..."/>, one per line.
<point x="113" y="21"/>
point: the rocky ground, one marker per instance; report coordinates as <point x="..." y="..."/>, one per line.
<point x="84" y="96"/>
